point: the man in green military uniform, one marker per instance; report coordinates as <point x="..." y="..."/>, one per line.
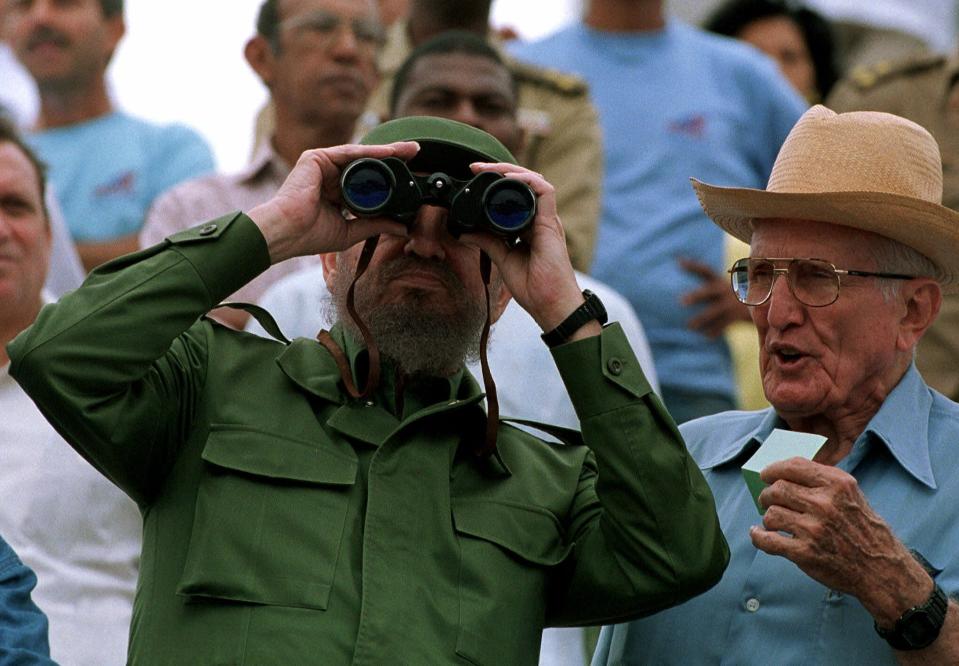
<point x="926" y="91"/>
<point x="289" y="522"/>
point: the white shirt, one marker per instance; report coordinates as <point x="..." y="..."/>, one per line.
<point x="75" y="529"/>
<point x="19" y="99"/>
<point x="528" y="384"/>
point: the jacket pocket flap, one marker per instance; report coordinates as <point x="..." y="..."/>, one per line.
<point x="270" y="455"/>
<point x="532" y="533"/>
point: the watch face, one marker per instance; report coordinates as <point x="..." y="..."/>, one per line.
<point x="918" y="629"/>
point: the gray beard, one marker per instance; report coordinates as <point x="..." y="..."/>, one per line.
<point x="422" y="337"/>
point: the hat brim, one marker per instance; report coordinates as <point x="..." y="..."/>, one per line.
<point x="926" y="227"/>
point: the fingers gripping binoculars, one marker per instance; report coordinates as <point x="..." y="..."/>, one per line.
<point x="487" y="202"/>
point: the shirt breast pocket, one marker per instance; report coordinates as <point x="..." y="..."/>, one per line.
<point x="269" y="520"/>
<point x="507" y="551"/>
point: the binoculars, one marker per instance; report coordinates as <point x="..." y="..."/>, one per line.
<point x="486" y="202"/>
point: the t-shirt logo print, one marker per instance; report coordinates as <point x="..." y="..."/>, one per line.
<point x="692" y="126"/>
<point x="122" y="184"/>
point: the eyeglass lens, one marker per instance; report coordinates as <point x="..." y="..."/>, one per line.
<point x="324" y="25"/>
<point x="812" y="281"/>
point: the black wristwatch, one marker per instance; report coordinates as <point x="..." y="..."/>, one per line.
<point x="919" y="626"/>
<point x="592" y="309"/>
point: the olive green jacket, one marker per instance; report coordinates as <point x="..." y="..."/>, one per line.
<point x="285" y="523"/>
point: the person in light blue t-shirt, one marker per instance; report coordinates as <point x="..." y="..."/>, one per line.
<point x="105" y="166"/>
<point x="673" y="101"/>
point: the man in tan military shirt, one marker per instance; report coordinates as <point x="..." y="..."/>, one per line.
<point x="563" y="140"/>
<point x="926" y="91"/>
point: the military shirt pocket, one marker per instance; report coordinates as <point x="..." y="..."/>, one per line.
<point x="269" y="520"/>
<point x="507" y="551"/>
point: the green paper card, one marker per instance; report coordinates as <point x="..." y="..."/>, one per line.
<point x="780" y="445"/>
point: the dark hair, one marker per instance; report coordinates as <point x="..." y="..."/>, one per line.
<point x="452" y="41"/>
<point x="111" y="7"/>
<point x="10" y="134"/>
<point x="733" y="16"/>
<point x="268" y="21"/>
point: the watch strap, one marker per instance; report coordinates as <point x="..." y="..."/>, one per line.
<point x="592" y="308"/>
<point x="919" y="626"/>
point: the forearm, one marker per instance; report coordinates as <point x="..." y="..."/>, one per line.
<point x="100" y="364"/>
<point x="647" y="535"/>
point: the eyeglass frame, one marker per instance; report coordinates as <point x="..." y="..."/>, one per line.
<point x="314" y="20"/>
<point x="838" y="272"/>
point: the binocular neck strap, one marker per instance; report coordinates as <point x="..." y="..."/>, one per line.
<point x="488" y="445"/>
<point x="492" y="404"/>
<point x="325" y="339"/>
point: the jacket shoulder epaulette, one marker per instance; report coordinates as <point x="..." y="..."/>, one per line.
<point x="560" y="82"/>
<point x="866" y="77"/>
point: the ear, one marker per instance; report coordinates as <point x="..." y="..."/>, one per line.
<point x="922" y="298"/>
<point x="116" y="27"/>
<point x="329" y="261"/>
<point x="259" y="54"/>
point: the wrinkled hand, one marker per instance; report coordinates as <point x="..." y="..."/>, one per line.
<point x="836" y="538"/>
<point x="537" y="271"/>
<point x="722" y="308"/>
<point x="304" y="216"/>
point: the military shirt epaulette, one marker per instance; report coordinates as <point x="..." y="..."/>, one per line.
<point x="866" y="77"/>
<point x="561" y="82"/>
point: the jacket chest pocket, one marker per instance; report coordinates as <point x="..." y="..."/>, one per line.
<point x="507" y="553"/>
<point x="269" y="520"/>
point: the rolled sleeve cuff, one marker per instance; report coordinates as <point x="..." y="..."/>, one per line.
<point x="227" y="253"/>
<point x="601" y="373"/>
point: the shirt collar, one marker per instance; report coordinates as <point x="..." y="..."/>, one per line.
<point x="265" y="160"/>
<point x="901" y="424"/>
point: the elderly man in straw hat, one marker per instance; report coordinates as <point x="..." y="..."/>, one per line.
<point x="857" y="552"/>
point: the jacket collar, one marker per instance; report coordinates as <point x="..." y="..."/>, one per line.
<point x="310" y="366"/>
<point x="901" y="425"/>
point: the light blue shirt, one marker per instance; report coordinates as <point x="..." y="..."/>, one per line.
<point x="765" y="610"/>
<point x="107" y="171"/>
<point x="673" y="104"/>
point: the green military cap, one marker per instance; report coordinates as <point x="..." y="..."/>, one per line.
<point x="445" y="145"/>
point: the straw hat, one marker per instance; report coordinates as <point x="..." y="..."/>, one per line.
<point x="867" y="170"/>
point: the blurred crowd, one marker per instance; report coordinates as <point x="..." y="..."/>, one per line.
<point x="617" y="111"/>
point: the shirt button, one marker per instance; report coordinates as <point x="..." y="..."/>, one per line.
<point x="208" y="229"/>
<point x="615" y="366"/>
<point x="752" y="605"/>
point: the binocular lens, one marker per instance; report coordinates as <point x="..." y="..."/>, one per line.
<point x="509" y="205"/>
<point x="367" y="186"/>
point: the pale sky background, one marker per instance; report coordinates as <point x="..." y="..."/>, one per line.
<point x="182" y="60"/>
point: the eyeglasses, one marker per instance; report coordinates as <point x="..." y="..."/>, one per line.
<point x="814" y="282"/>
<point x="323" y="27"/>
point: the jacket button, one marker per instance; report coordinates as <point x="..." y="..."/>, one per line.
<point x="615" y="366"/>
<point x="208" y="229"/>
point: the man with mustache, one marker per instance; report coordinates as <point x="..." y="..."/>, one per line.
<point x="318" y="59"/>
<point x="106" y="167"/>
<point x="296" y="509"/>
<point x="855" y="558"/>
